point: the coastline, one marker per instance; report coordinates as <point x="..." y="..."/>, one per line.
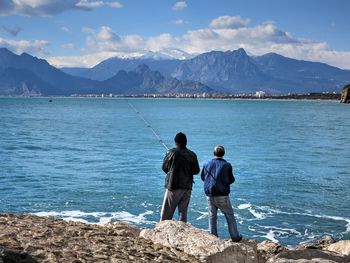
<point x="47" y="239"/>
<point x="302" y="97"/>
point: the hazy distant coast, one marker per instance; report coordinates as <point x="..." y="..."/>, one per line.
<point x="216" y="72"/>
<point x="311" y="96"/>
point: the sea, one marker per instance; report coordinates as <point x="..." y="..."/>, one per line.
<point x="98" y="160"/>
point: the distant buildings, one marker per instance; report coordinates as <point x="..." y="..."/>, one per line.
<point x="260" y="94"/>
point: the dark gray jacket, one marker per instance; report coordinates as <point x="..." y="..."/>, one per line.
<point x="180" y="164"/>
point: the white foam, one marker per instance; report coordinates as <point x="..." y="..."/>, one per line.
<point x="254" y="212"/>
<point x="244" y="206"/>
<point x="271" y="211"/>
<point x="309" y="214"/>
<point x="282" y="231"/>
<point x="203" y="215"/>
<point x="258" y="215"/>
<point x="271" y="236"/>
<point x="101" y="217"/>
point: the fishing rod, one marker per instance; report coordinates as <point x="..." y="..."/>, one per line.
<point x="148" y="125"/>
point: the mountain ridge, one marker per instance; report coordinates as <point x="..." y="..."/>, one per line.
<point x="236" y="72"/>
<point x="27" y="75"/>
<point x="229" y="72"/>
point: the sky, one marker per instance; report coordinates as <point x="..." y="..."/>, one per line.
<point x="82" y="33"/>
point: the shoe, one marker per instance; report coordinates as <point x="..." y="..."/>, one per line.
<point x="238" y="240"/>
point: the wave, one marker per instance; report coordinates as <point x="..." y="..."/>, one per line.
<point x="262" y="212"/>
<point x="99" y="217"/>
<point x="259" y="215"/>
<point x="203" y="215"/>
<point x="274" y="233"/>
<point x="271" y="236"/>
<point x="335" y="218"/>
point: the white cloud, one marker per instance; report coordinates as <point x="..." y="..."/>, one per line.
<point x="258" y="40"/>
<point x="95" y="4"/>
<point x="229" y="22"/>
<point x="49" y="7"/>
<point x="89" y="4"/>
<point x="179" y="22"/>
<point x="88" y="60"/>
<point x="35" y="47"/>
<point x="181" y="5"/>
<point x="105" y="40"/>
<point x="106" y="34"/>
<point x="103" y="43"/>
<point x="65" y="29"/>
<point x="160" y="42"/>
<point x="115" y="5"/>
<point x="68" y="46"/>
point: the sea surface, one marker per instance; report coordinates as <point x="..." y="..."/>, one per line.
<point x="96" y="160"/>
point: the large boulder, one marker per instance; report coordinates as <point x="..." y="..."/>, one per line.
<point x="201" y="244"/>
<point x="319" y="244"/>
<point x="345" y="94"/>
<point x="308" y="256"/>
<point x="28" y="238"/>
<point x="268" y="249"/>
<point x="341" y="247"/>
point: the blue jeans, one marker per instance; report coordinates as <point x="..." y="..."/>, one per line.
<point x="223" y="203"/>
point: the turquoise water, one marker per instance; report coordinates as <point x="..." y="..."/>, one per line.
<point x="94" y="160"/>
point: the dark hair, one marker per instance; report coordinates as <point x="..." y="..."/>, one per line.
<point x="180" y="139"/>
<point x="219" y="151"/>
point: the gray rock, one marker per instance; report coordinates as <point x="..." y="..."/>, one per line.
<point x="345" y="94"/>
<point x="202" y="245"/>
<point x="320" y="244"/>
<point x="341" y="247"/>
<point x="24" y="238"/>
<point x="13" y="255"/>
<point x="308" y="255"/>
<point x="268" y="249"/>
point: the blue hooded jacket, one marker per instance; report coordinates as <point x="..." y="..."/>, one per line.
<point x="217" y="176"/>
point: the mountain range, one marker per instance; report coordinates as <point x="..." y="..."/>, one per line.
<point x="233" y="72"/>
<point x="28" y="75"/>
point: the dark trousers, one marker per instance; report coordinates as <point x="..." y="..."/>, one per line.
<point x="179" y="198"/>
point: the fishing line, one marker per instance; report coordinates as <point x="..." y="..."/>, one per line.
<point x="148" y="125"/>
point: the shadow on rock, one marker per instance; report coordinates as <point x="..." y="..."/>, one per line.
<point x="8" y="255"/>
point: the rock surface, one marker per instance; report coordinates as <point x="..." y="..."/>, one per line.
<point x="341" y="247"/>
<point x="33" y="239"/>
<point x="44" y="239"/>
<point x="308" y="256"/>
<point x="268" y="249"/>
<point x="12" y="255"/>
<point x="345" y="94"/>
<point x="201" y="244"/>
<point x="320" y="244"/>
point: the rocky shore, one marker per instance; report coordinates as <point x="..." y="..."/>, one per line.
<point x="29" y="238"/>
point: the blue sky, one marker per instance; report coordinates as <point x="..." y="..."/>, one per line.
<point x="85" y="32"/>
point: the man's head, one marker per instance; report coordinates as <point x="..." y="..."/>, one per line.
<point x="180" y="140"/>
<point x="219" y="151"/>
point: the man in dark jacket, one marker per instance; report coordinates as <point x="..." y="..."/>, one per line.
<point x="180" y="164"/>
<point x="217" y="176"/>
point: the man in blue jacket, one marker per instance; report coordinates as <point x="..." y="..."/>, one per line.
<point x="218" y="176"/>
<point x="180" y="164"/>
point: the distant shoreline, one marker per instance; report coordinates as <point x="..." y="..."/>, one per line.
<point x="311" y="96"/>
